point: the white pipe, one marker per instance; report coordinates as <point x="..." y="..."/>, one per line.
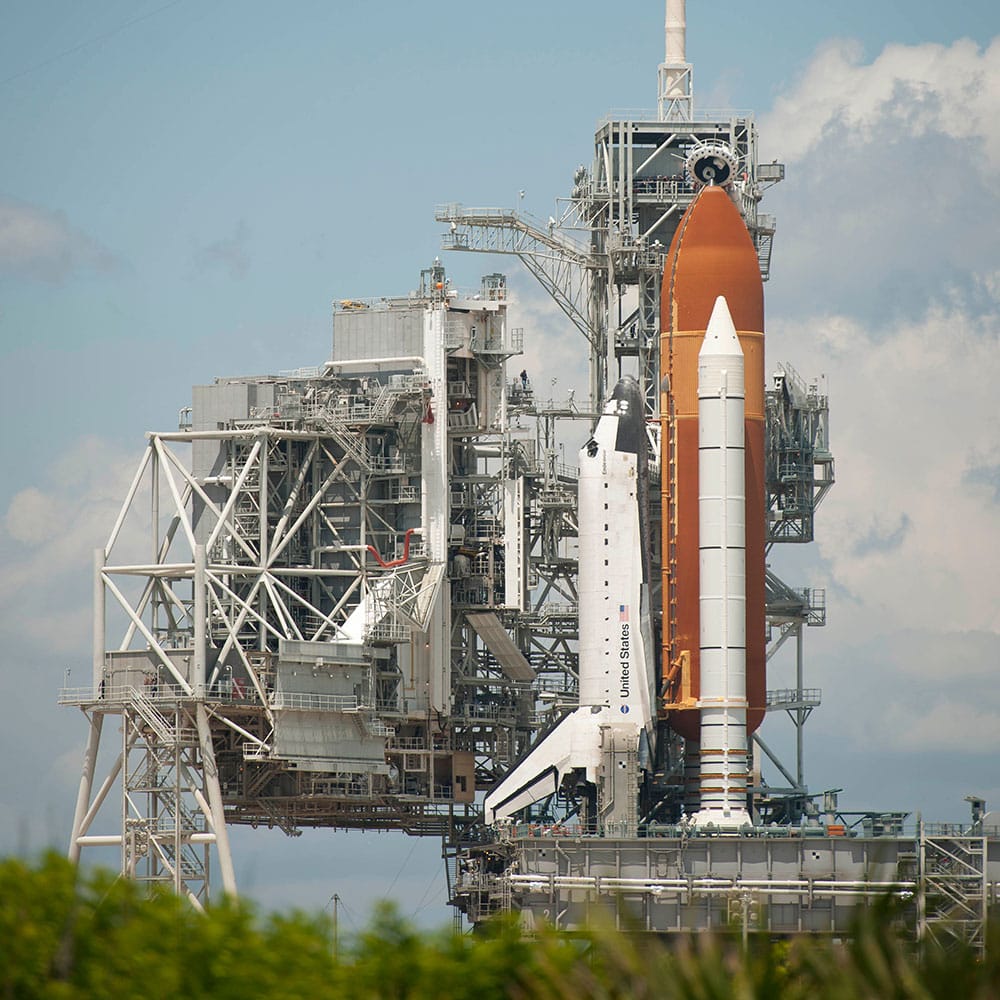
<point x="192" y="485"/>
<point x="293" y="494"/>
<point x="376" y="364"/>
<point x="178" y="570"/>
<point x="147" y="635"/>
<point x="216" y="812"/>
<point x="98" y="636"/>
<point x="234" y="493"/>
<point x="251" y="432"/>
<point x="113" y="839"/>
<point x="200" y="611"/>
<point x="101" y="795"/>
<point x="239" y="729"/>
<point x="714" y="887"/>
<point x="86" y="781"/>
<point x="126" y="505"/>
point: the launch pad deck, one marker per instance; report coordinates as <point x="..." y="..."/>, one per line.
<point x="776" y="880"/>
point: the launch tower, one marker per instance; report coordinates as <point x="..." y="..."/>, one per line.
<point x="349" y="595"/>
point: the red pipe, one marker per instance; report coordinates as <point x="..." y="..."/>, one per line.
<point x="395" y="562"/>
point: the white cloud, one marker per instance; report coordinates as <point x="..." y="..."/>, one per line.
<point x="38" y="243"/>
<point x="48" y="536"/>
<point x="908" y="537"/>
<point x="905" y="690"/>
<point x="927" y="655"/>
<point x="890" y="205"/>
<point x="885" y="281"/>
<point x="902" y="529"/>
<point x="30" y="516"/>
<point x="948" y="725"/>
<point x="556" y="355"/>
<point x="917" y="89"/>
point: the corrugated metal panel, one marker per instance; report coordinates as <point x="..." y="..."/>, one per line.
<point x="377" y="333"/>
<point x="510" y="658"/>
<point x="216" y="404"/>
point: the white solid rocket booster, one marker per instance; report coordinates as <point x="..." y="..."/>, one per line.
<point x="722" y="598"/>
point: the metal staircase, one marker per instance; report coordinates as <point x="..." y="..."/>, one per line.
<point x="952" y="902"/>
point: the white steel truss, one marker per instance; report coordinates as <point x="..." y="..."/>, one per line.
<point x="240" y="561"/>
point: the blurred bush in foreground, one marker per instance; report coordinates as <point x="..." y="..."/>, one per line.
<point x="65" y="933"/>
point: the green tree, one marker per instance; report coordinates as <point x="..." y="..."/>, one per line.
<point x="68" y="934"/>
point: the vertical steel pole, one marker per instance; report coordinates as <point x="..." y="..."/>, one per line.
<point x="800" y="712"/>
<point x="99" y="645"/>
<point x="199" y="664"/>
<point x="336" y="927"/>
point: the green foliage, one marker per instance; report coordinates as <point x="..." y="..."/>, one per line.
<point x="65" y="934"/>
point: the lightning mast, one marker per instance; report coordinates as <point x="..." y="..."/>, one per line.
<point x="676" y="76"/>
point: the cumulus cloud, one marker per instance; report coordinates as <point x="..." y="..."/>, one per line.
<point x="985" y="475"/>
<point x="41" y="244"/>
<point x="556" y="355"/>
<point x="882" y="538"/>
<point x="30" y="515"/>
<point x="889" y="207"/>
<point x="885" y="281"/>
<point x="48" y="535"/>
<point x="902" y="530"/>
<point x="949" y="725"/>
<point x="916" y="90"/>
<point x="908" y="537"/>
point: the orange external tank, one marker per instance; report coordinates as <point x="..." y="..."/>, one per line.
<point x="712" y="254"/>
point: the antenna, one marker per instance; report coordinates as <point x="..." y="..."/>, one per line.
<point x="675" y="77"/>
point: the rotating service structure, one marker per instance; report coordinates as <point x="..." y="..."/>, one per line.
<point x="301" y="610"/>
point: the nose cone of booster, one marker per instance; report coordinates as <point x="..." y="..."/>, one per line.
<point x="720" y="335"/>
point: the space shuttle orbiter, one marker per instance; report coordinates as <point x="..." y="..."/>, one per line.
<point x="616" y="670"/>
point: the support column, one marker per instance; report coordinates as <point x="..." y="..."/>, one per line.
<point x="218" y="817"/>
<point x="99" y="645"/>
<point x="86" y="783"/>
<point x="199" y="665"/>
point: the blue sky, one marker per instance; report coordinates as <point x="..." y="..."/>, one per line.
<point x="185" y="187"/>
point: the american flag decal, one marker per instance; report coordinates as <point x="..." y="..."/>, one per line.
<point x="623" y="612"/>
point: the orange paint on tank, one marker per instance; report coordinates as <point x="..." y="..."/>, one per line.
<point x="712" y="254"/>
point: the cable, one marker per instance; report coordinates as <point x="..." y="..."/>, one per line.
<point x="413" y="847"/>
<point x="430" y="885"/>
<point x="89" y="41"/>
<point x="350" y="916"/>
